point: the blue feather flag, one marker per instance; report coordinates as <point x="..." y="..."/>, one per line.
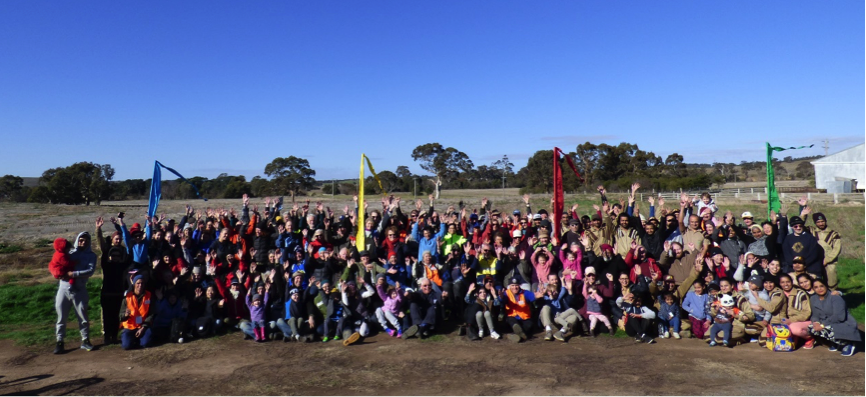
<point x="156" y="187"/>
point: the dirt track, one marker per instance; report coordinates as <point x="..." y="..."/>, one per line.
<point x="385" y="366"/>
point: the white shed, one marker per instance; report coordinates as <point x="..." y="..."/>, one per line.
<point x="849" y="164"/>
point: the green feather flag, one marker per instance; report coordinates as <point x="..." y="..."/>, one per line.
<point x="773" y="203"/>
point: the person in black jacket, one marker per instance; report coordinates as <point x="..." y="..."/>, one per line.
<point x="423" y="309"/>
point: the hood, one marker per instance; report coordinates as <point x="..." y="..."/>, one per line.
<point x="75" y="243"/>
<point x="61" y="245"/>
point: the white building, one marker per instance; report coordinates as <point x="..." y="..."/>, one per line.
<point x="849" y="164"/>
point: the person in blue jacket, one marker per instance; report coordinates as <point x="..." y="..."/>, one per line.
<point x="427" y="240"/>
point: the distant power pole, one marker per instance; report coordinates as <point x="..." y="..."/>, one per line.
<point x="826" y="147"/>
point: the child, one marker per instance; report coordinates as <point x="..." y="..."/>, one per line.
<point x="571" y="269"/>
<point x="669" y="316"/>
<point x="485" y="302"/>
<point x="755" y="291"/>
<point x="706" y="201"/>
<point x="723" y="312"/>
<point x="332" y="310"/>
<point x="170" y="317"/>
<point x="696" y="304"/>
<point x="391" y="310"/>
<point x="257" y="314"/>
<point x="593" y="311"/>
<point x="296" y="311"/>
<point x="60" y="264"/>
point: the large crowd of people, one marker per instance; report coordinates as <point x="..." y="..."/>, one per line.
<point x="295" y="273"/>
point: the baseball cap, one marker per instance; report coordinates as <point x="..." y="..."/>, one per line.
<point x="589" y="270"/>
<point x="513" y="280"/>
<point x="746" y="214"/>
<point x="536" y="216"/>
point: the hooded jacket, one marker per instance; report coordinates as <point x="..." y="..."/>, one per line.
<point x="85" y="261"/>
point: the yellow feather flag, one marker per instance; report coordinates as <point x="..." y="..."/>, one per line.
<point x="361" y="237"/>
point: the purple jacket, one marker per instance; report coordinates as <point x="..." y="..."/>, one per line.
<point x="391" y="305"/>
<point x="257" y="313"/>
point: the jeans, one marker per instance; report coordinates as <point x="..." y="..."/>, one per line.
<point x="725" y="328"/>
<point x="68" y="297"/>
<point x="385" y="318"/>
<point x="667" y="323"/>
<point x="247" y="328"/>
<point x="129" y="341"/>
<point x="281" y="325"/>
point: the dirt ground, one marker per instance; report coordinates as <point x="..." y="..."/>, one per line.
<point x="449" y="365"/>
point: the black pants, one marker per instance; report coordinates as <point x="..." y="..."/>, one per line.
<point x="110" y="319"/>
<point x="526" y="325"/>
<point x="423" y="313"/>
<point x="637" y="326"/>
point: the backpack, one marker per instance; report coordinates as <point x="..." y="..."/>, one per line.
<point x="779" y="338"/>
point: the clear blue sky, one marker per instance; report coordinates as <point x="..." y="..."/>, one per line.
<point x="217" y="86"/>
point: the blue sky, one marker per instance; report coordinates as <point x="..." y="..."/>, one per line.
<point x="216" y="86"/>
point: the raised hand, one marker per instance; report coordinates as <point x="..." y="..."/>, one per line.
<point x="526" y="199"/>
<point x="99" y="222"/>
<point x="522" y="255"/>
<point x="661" y="201"/>
<point x="484" y="202"/>
<point x="596" y="208"/>
<point x="635" y="187"/>
<point x="584" y="240"/>
<point x="667" y="246"/>
<point x="419" y="204"/>
<point x="246" y="200"/>
<point x="574" y="207"/>
<point x="802" y="201"/>
<point x="651" y="200"/>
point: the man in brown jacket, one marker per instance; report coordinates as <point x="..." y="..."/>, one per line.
<point x="680" y="264"/>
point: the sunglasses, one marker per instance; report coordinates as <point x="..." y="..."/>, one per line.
<point x="392" y="235"/>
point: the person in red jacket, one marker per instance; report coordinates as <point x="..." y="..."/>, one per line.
<point x="637" y="257"/>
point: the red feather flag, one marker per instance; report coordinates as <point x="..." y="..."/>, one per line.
<point x="558" y="199"/>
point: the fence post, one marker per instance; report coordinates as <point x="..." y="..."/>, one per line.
<point x="737" y="194"/>
<point x="641" y="197"/>
<point x="759" y="196"/>
<point x="835" y="198"/>
<point x="809" y="196"/>
<point x="781" y="196"/>
<point x="753" y="190"/>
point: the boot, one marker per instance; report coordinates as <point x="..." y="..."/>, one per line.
<point x="58" y="348"/>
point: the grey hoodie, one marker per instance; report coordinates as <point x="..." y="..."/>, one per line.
<point x="84" y="258"/>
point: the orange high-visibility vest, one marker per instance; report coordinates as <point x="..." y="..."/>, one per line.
<point x="517" y="306"/>
<point x="139" y="312"/>
<point x="433" y="274"/>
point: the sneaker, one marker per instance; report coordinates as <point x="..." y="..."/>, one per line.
<point x="585" y="327"/>
<point x="85" y="344"/>
<point x="410" y="332"/>
<point x="481" y="333"/>
<point x="810" y="344"/>
<point x="336" y="337"/>
<point x="514" y="338"/>
<point x="649" y="340"/>
<point x="548" y="335"/>
<point x="638" y="339"/>
<point x="833" y="347"/>
<point x="494" y="335"/>
<point x="567" y="331"/>
<point x="325" y="339"/>
<point x="713" y="343"/>
<point x="352" y="339"/>
<point x="666" y="335"/>
<point x="848" y="350"/>
<point x="58" y="348"/>
<point x="180" y="340"/>
<point x="461" y="330"/>
<point x="558" y="336"/>
<point x="286" y="339"/>
<point x="399" y="335"/>
<point x="390" y="331"/>
<point x="727" y="344"/>
<point x="662" y="330"/>
<point x="612" y="331"/>
<point x="677" y="335"/>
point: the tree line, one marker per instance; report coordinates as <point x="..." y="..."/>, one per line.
<point x="617" y="167"/>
